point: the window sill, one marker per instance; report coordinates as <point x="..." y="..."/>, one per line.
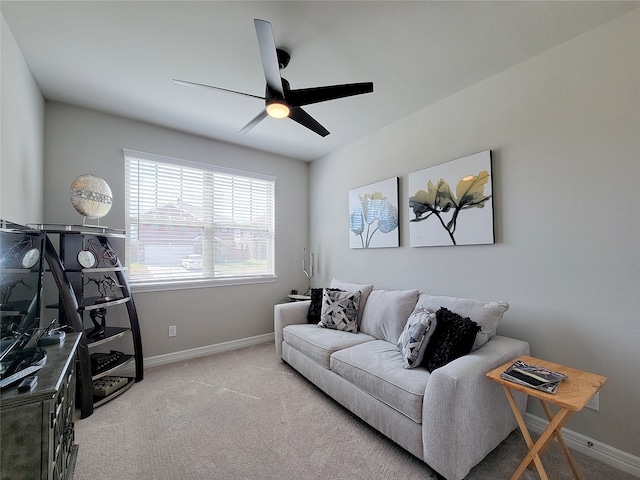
<point x="204" y="283"/>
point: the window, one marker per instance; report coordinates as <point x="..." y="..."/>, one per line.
<point x="192" y="224"/>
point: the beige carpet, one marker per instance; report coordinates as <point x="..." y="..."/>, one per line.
<point x="246" y="415"/>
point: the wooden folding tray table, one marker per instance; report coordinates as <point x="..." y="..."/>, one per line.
<point x="572" y="395"/>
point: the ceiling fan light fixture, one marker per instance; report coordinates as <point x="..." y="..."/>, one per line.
<point x="277" y="109"/>
<point x="278" y="93"/>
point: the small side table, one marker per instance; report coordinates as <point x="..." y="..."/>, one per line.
<point x="572" y="395"/>
<point x="298" y="298"/>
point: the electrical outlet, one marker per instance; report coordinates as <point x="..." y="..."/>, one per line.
<point x="172" y="330"/>
<point x="594" y="402"/>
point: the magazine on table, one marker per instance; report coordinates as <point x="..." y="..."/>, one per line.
<point x="533" y="376"/>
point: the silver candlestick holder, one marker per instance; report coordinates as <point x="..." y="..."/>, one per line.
<point x="308" y="266"/>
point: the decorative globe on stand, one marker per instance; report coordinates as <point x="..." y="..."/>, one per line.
<point x="91" y="197"/>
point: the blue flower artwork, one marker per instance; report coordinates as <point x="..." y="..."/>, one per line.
<point x="373" y="215"/>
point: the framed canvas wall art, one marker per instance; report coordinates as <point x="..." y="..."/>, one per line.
<point x="373" y="215"/>
<point x="452" y="203"/>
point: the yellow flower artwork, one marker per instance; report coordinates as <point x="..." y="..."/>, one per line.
<point x="440" y="216"/>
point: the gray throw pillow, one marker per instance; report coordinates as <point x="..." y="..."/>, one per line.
<point x="339" y="310"/>
<point x="386" y="313"/>
<point x="416" y="334"/>
<point x="364" y="290"/>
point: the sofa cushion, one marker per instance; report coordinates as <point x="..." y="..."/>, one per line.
<point x="485" y="314"/>
<point x="378" y="369"/>
<point x="416" y="335"/>
<point x="319" y="343"/>
<point x="453" y="338"/>
<point x="386" y="313"/>
<point x="339" y="310"/>
<point x="364" y="290"/>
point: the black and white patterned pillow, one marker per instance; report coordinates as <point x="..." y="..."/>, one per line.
<point x="339" y="310"/>
<point x="415" y="337"/>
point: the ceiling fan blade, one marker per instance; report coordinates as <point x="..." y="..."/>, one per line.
<point x="186" y="83"/>
<point x="254" y="121"/>
<point x="269" y="56"/>
<point x="303" y="118"/>
<point x="306" y="96"/>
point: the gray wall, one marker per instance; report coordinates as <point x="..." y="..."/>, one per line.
<point x="564" y="129"/>
<point x="79" y="141"/>
<point x="21" y="136"/>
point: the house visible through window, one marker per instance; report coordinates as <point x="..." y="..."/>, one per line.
<point x="191" y="223"/>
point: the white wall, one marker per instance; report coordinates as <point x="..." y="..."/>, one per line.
<point x="79" y="141"/>
<point x="564" y="129"/>
<point x="21" y="136"/>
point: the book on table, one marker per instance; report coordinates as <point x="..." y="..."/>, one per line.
<point x="533" y="376"/>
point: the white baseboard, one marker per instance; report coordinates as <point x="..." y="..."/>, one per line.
<point x="207" y="350"/>
<point x="606" y="454"/>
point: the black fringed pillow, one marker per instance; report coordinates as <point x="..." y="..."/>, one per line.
<point x="313" y="315"/>
<point x="452" y="338"/>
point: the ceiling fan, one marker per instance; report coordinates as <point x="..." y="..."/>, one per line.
<point x="280" y="100"/>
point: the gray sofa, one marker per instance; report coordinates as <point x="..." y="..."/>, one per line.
<point x="450" y="418"/>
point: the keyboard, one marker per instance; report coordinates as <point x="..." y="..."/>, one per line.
<point x="5" y="382"/>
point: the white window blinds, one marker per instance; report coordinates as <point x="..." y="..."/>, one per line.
<point x="191" y="222"/>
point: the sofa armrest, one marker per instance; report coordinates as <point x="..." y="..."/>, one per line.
<point x="292" y="313"/>
<point x="465" y="412"/>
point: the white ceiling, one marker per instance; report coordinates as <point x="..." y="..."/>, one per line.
<point x="120" y="56"/>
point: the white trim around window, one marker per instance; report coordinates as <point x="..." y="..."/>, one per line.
<point x="194" y="225"/>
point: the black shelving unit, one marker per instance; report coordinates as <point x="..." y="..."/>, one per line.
<point x="80" y="301"/>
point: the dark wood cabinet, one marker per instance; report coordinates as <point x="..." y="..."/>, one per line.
<point x="37" y="437"/>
